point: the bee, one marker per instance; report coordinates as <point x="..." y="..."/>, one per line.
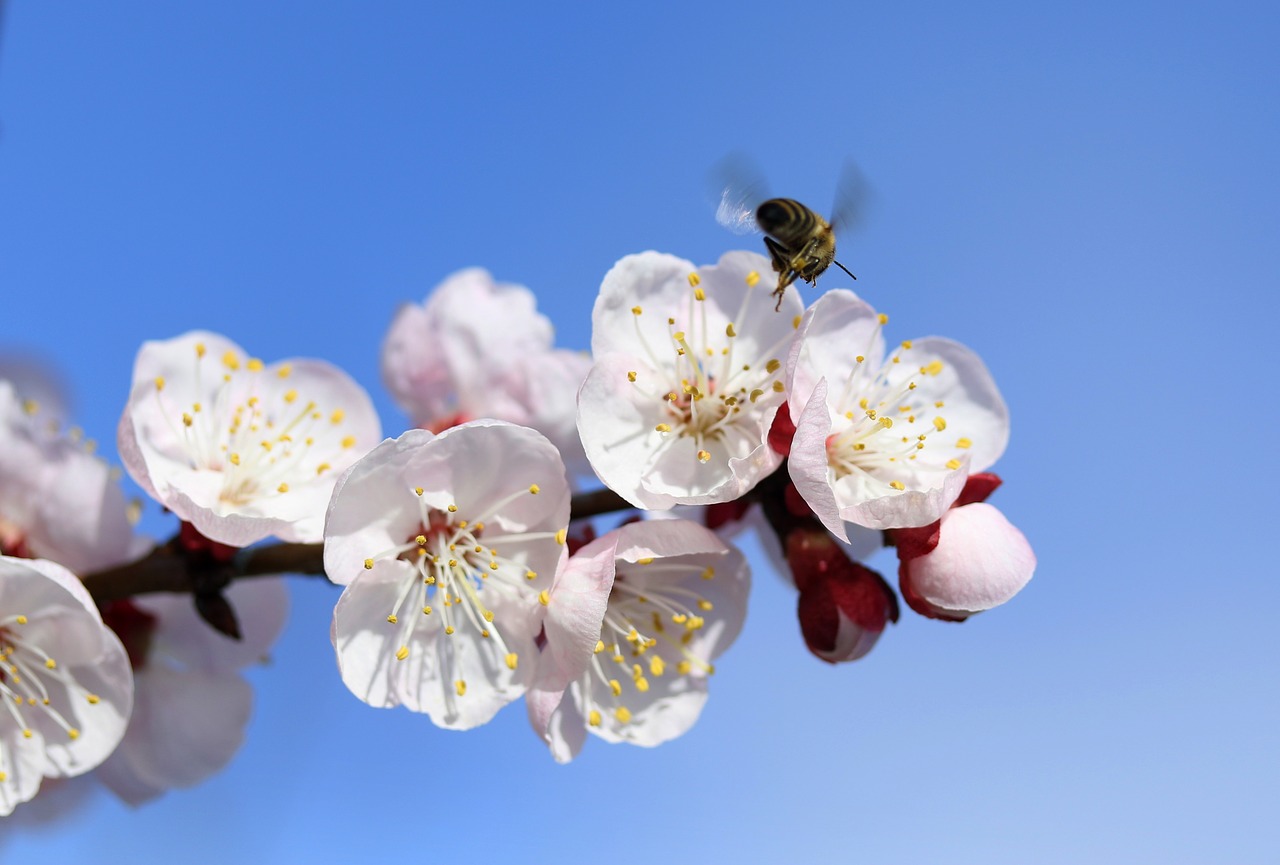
<point x="800" y="242"/>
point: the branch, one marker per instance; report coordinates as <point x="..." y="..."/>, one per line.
<point x="172" y="568"/>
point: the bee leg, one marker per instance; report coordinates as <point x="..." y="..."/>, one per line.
<point x="782" y="265"/>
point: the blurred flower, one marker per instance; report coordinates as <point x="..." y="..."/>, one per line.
<point x="449" y="547"/>
<point x="191" y="703"/>
<point x="885" y="443"/>
<point x="57" y="500"/>
<point x="64" y="679"/>
<point x="678" y="600"/>
<point x="687" y="378"/>
<point x="843" y="606"/>
<point x="477" y="348"/>
<point x="971" y="560"/>
<point x="238" y="448"/>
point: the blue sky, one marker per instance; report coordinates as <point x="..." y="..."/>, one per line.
<point x="1086" y="194"/>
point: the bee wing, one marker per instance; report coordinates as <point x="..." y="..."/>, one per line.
<point x="737" y="188"/>
<point x="852" y="196"/>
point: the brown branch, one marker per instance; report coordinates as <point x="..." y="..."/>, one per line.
<point x="172" y="568"/>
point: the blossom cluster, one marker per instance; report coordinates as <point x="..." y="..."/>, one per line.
<point x="472" y="571"/>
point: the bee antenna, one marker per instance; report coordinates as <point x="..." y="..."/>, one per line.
<point x="842" y="267"/>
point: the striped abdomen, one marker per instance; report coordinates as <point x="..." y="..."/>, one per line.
<point x="789" y="222"/>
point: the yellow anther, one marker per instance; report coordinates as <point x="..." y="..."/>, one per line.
<point x="531" y="575"/>
<point x="560" y="536"/>
<point x="283" y="488"/>
<point x="51" y="663"/>
<point x="656" y="665"/>
<point x="21" y="620"/>
<point x="773" y="365"/>
<point x="285" y="370"/>
<point x="642" y="684"/>
<point x="488" y="615"/>
<point x="708" y="573"/>
<point x="631" y="375"/>
<point x="933" y="368"/>
<point x="886" y="422"/>
<point x="93" y="699"/>
<point x="266" y="445"/>
<point x="512" y="659"/>
<point x="884" y="319"/>
<point x="349" y="441"/>
<point x="368" y="564"/>
<point x="544" y="597"/>
<point x="402" y="653"/>
<point x="756" y="393"/>
<point x="704" y="456"/>
<point x="186" y="419"/>
<point x="953" y="464"/>
<point x="254" y="364"/>
<point x="795" y="323"/>
<point x="704" y="605"/>
<point x="964" y="443"/>
<point x="535" y="489"/>
<point x="679" y="618"/>
<point x="453" y="509"/>
<point x="616" y="687"/>
<point x="729" y="330"/>
<point x="862" y="403"/>
<point x="635" y="310"/>
<point x="426" y="611"/>
<point x="599" y="646"/>
<point x="779" y="387"/>
<point x="234" y="459"/>
<point x="897" y="485"/>
<point x="230" y="361"/>
<point x="906" y="343"/>
<point x="448" y="628"/>
<point x="593" y="718"/>
<point x="752" y="279"/>
<point x="647" y="560"/>
<point x="622" y="714"/>
<point x="159" y="382"/>
<point x="694" y="280"/>
<point x="460" y="687"/>
<point x="73" y="733"/>
<point x="939" y="423"/>
<point x="392" y="618"/>
<point x="200" y="349"/>
<point x="938" y="404"/>
<point x="684" y="667"/>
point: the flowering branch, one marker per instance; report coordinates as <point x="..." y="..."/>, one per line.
<point x="177" y="567"/>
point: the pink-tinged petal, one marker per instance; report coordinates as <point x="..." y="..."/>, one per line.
<point x="973" y="407"/>
<point x="23" y="768"/>
<point x="838" y="327"/>
<point x="186" y="725"/>
<point x="566" y="732"/>
<point x="426" y="678"/>
<point x="69" y="658"/>
<point x="574" y="614"/>
<point x="261" y="607"/>
<point x="362" y="518"/>
<point x="57" y="500"/>
<point x="981" y="560"/>
<point x="239" y="448"/>
<point x="808" y="465"/>
<point x="649" y="278"/>
<point x="910" y="507"/>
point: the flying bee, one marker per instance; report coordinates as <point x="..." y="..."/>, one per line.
<point x="800" y="242"/>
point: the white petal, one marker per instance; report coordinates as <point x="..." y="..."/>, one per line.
<point x="186" y="725"/>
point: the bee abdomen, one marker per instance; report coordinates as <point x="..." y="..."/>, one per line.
<point x="787" y="221"/>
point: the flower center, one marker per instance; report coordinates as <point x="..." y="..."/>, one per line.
<point x="255" y="428"/>
<point x="707" y="390"/>
<point x="648" y="629"/>
<point x="885" y="426"/>
<point x="455" y="565"/>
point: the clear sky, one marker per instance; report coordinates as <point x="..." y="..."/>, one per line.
<point x="1085" y="193"/>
